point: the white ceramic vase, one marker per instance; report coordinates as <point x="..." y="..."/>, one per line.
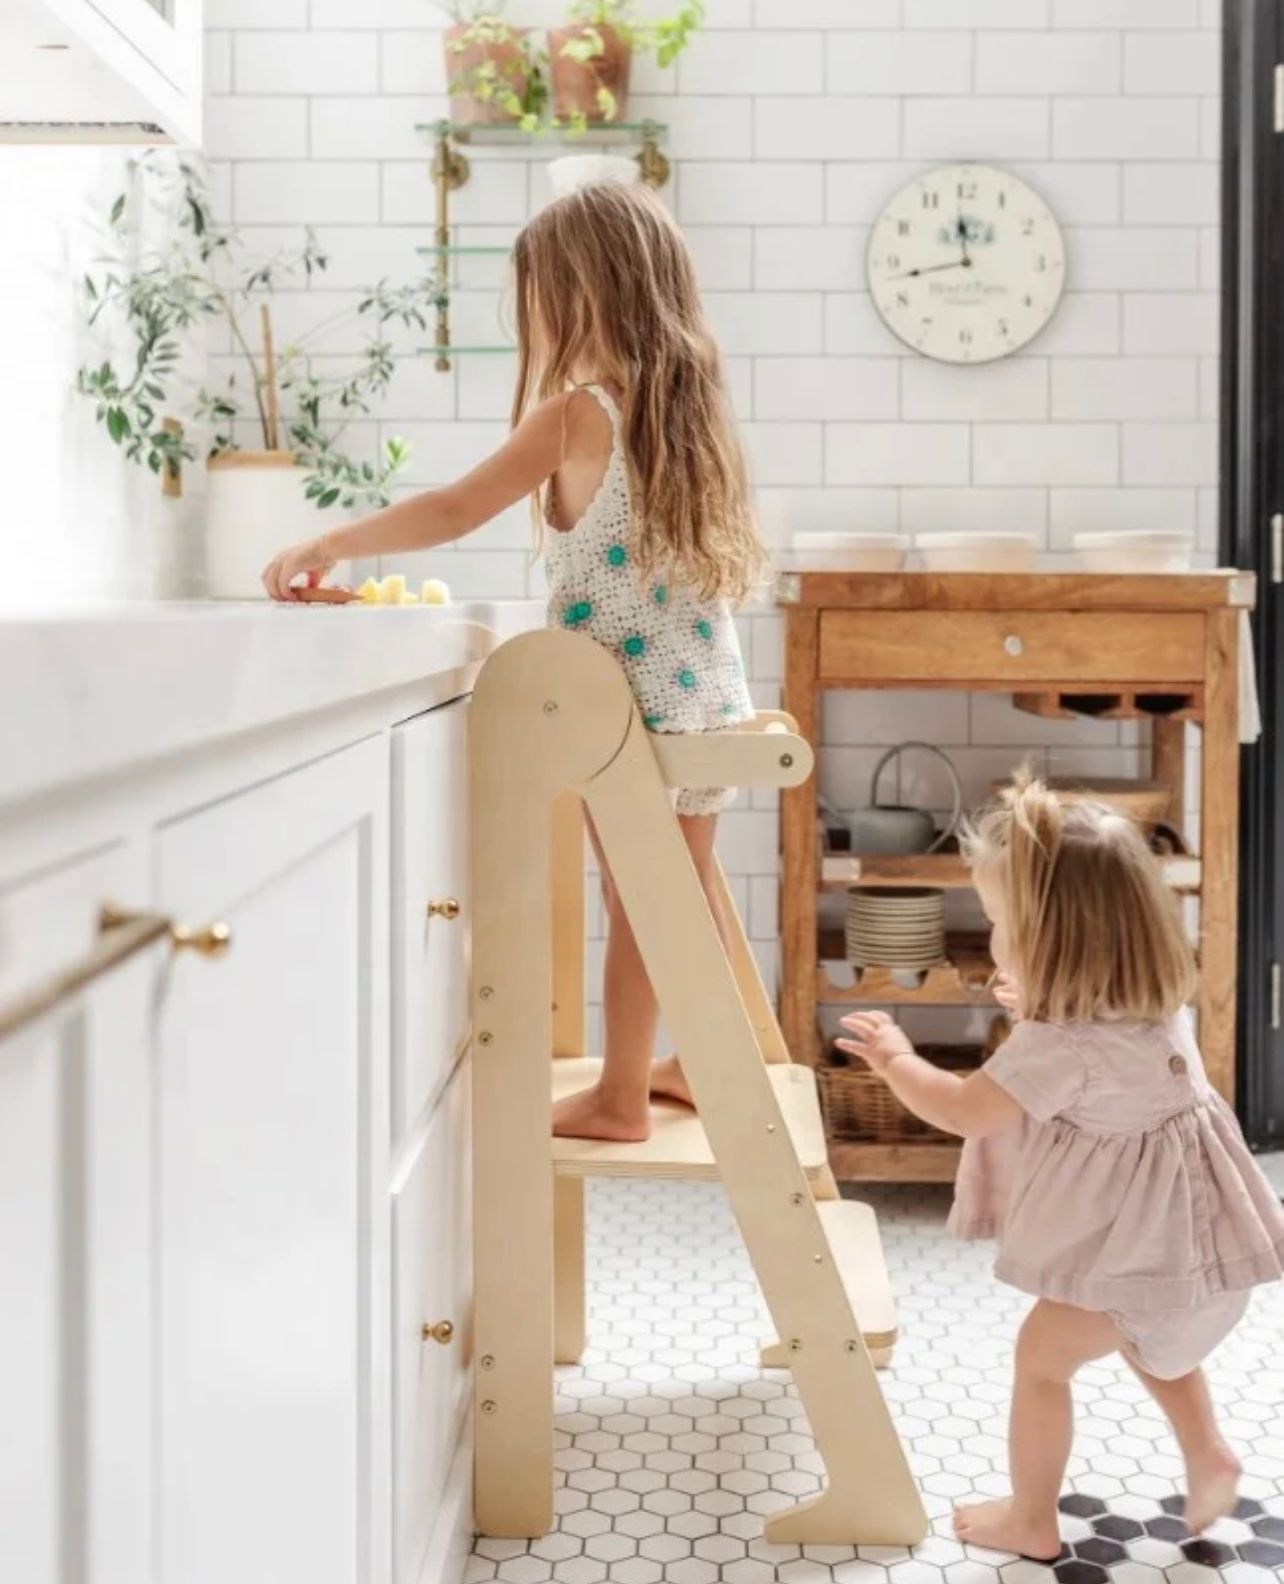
<point x="255" y="506"/>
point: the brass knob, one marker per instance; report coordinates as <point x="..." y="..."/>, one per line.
<point x="447" y="909"/>
<point x="211" y="940"/>
<point x="443" y="1332"/>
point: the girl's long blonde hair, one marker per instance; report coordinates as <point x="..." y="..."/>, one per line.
<point x="1094" y="930"/>
<point x="604" y="277"/>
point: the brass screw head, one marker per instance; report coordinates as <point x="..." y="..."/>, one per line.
<point x="489" y="1407"/>
<point x="485" y="1037"/>
<point x="786" y="761"/>
<point x="485" y="992"/>
<point x="795" y="1345"/>
<point x="487" y="1361"/>
<point x="550" y="707"/>
<point x="797" y="1199"/>
<point x="852" y="1347"/>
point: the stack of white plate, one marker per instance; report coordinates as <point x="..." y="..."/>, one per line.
<point x="1135" y="550"/>
<point x="976" y="552"/>
<point x="900" y="928"/>
<point x="847" y="552"/>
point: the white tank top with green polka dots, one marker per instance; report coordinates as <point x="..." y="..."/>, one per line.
<point x="680" y="653"/>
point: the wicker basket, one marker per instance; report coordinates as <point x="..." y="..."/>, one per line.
<point x="859" y="1108"/>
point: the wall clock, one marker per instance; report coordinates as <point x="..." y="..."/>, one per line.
<point x="966" y="263"/>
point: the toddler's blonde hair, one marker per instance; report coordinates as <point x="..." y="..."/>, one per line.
<point x="1094" y="929"/>
<point x="603" y="273"/>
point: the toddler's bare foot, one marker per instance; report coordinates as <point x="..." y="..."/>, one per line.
<point x="668" y="1081"/>
<point x="1211" y="1483"/>
<point x="598" y="1114"/>
<point x="997" y="1527"/>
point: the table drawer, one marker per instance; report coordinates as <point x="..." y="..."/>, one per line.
<point x="1016" y="646"/>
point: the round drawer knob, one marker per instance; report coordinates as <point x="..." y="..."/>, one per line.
<point x="1013" y="645"/>
<point x="447" y="909"/>
<point x="443" y="1332"/>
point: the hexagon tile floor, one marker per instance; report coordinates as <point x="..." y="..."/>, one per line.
<point x="672" y="1444"/>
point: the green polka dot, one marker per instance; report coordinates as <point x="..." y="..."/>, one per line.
<point x="576" y="615"/>
<point x="661" y="594"/>
<point x="705" y="629"/>
<point x="617" y="555"/>
<point x="686" y="679"/>
<point x="729" y="709"/>
<point x="635" y="646"/>
<point x="652" y="721"/>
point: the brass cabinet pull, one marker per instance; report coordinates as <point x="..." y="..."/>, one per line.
<point x="122" y="934"/>
<point x="446" y="909"/>
<point x="443" y="1332"/>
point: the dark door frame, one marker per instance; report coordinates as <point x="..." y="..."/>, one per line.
<point x="1252" y="476"/>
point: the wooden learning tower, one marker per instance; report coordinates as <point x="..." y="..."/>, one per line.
<point x="554" y="732"/>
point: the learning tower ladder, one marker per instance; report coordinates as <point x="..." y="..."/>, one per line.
<point x="553" y="726"/>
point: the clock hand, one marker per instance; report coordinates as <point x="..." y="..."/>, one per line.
<point x="962" y="230"/>
<point x="931" y="269"/>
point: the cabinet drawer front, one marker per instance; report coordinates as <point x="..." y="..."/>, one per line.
<point x="994" y="646"/>
<point x="432" y="1252"/>
<point x="430" y="873"/>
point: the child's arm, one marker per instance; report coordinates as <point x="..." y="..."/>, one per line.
<point x="531" y="454"/>
<point x="967" y="1107"/>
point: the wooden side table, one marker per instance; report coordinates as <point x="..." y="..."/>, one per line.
<point x="1162" y="648"/>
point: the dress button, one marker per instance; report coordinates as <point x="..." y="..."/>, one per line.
<point x="1177" y="1066"/>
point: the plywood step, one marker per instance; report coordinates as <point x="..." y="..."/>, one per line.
<point x="679" y="1146"/>
<point x="851" y="1230"/>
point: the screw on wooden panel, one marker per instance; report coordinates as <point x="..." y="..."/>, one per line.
<point x="489" y="1406"/>
<point x="787" y="761"/>
<point x="550" y="708"/>
<point x="852" y="1347"/>
<point x="797" y="1199"/>
<point x="487" y="1361"/>
<point x="818" y="1259"/>
<point x="771" y="1127"/>
<point x="485" y="1037"/>
<point x="485" y="992"/>
<point x="795" y="1345"/>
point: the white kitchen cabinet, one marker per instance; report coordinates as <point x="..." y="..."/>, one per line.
<point x="432" y="1318"/>
<point x="75" y="1245"/>
<point x="274" y="1282"/>
<point x="430" y="905"/>
<point x="106" y="70"/>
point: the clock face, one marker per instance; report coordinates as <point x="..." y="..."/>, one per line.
<point x="966" y="264"/>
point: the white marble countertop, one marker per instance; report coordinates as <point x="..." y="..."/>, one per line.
<point x="85" y="692"/>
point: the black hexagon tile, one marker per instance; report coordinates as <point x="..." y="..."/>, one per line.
<point x="672" y="1446"/>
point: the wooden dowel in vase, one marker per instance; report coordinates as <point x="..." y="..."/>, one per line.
<point x="273" y="436"/>
<point x="171" y="470"/>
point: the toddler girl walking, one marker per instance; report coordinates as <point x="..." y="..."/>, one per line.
<point x="1115" y="1178"/>
<point x="623" y="440"/>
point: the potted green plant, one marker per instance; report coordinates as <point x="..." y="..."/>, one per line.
<point x="591" y="57"/>
<point x="272" y="431"/>
<point x="491" y="68"/>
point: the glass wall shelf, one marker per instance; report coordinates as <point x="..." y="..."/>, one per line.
<point x="452" y="250"/>
<point x="605" y="134"/>
<point x="455" y="351"/>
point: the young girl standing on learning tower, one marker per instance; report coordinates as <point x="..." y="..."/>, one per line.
<point x="1115" y="1179"/>
<point x="622" y="436"/>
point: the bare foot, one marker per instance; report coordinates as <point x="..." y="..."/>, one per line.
<point x="669" y="1083"/>
<point x="995" y="1526"/>
<point x="596" y="1114"/>
<point x="1211" y="1482"/>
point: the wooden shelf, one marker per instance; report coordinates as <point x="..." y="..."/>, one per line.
<point x="679" y="1146"/>
<point x="1152" y="704"/>
<point x="931" y="1162"/>
<point x="962" y="981"/>
<point x="949" y="872"/>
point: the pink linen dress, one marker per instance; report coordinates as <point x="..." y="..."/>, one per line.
<point x="1126" y="1188"/>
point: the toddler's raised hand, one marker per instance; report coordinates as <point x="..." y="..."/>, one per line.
<point x="875" y="1039"/>
<point x="1007" y="992"/>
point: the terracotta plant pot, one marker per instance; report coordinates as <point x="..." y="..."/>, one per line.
<point x="509" y="57"/>
<point x="576" y="84"/>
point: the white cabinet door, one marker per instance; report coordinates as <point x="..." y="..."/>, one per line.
<point x="105" y="63"/>
<point x="273" y="1181"/>
<point x="430" y="905"/>
<point x="75" y="1182"/>
<point x="432" y="1253"/>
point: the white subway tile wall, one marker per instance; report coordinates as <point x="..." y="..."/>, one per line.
<point x="793" y="120"/>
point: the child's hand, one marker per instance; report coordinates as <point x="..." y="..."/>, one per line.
<point x="1007" y="992"/>
<point x="875" y="1039"/>
<point x="309" y="560"/>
